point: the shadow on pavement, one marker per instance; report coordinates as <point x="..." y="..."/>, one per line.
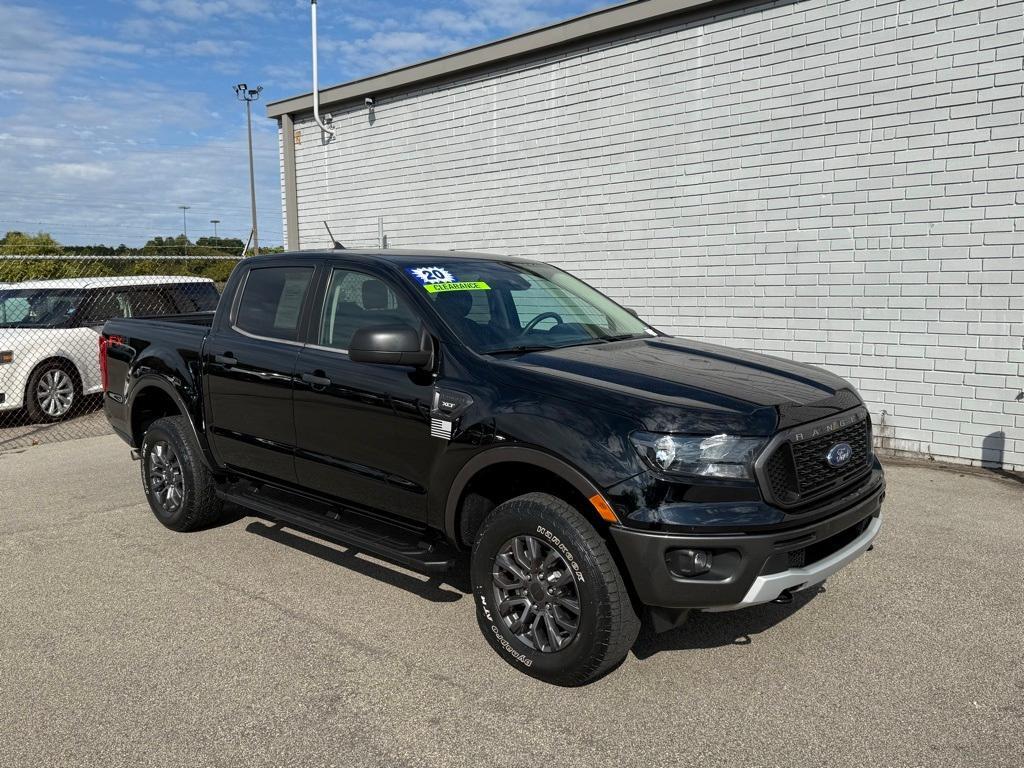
<point x="701" y="630"/>
<point x="430" y="588"/>
<point x="713" y="630"/>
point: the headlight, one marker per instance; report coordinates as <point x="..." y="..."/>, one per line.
<point x="6" y="357"/>
<point x="720" y="456"/>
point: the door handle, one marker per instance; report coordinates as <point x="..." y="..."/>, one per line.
<point x="226" y="360"/>
<point x="316" y="381"/>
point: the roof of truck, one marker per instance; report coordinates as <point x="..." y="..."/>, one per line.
<point x="400" y="255"/>
<point x="106" y="282"/>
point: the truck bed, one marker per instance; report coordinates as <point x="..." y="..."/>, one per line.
<point x="168" y="345"/>
<point x="204" y="319"/>
<point x="184" y="333"/>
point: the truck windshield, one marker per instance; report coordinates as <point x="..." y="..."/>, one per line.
<point x="515" y="307"/>
<point x="38" y="307"/>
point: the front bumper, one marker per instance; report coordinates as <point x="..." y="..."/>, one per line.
<point x="12" y="386"/>
<point x="749" y="569"/>
<point x="769" y="587"/>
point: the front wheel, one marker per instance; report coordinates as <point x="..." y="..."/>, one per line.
<point x="550" y="599"/>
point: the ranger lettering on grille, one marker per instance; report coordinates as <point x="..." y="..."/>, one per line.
<point x="798" y="469"/>
<point x="827" y="429"/>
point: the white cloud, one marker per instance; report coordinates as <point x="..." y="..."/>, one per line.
<point x="516" y="15"/>
<point x="34" y="49"/>
<point x="104" y="133"/>
<point x="383" y="42"/>
<point x="388" y="50"/>
<point x="76" y="171"/>
<point x="31" y="142"/>
<point x="94" y="151"/>
<point x="207" y="48"/>
<point x="202" y="10"/>
<point x="150" y="27"/>
<point x="453" y="21"/>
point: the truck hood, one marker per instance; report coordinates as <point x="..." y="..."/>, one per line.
<point x="682" y="385"/>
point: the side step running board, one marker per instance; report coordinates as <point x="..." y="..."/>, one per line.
<point x="391" y="542"/>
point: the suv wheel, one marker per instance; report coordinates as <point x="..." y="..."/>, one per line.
<point x="550" y="599"/>
<point x="52" y="392"/>
<point x="177" y="482"/>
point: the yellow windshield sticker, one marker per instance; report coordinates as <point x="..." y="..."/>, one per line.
<point x="442" y="287"/>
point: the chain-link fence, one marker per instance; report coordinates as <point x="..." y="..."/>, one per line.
<point x="51" y="311"/>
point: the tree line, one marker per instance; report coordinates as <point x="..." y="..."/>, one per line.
<point x="212" y="257"/>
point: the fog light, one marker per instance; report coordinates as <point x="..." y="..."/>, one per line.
<point x="688" y="562"/>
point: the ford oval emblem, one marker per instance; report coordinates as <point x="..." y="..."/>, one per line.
<point x="839" y="454"/>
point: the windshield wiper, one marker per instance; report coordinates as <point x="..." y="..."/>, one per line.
<point x="599" y="340"/>
<point x="520" y="349"/>
<point x="623" y="337"/>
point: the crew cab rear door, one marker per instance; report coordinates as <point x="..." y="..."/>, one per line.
<point x="249" y="361"/>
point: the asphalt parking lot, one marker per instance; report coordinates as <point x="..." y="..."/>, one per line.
<point x="123" y="644"/>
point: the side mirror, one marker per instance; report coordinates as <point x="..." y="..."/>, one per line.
<point x="633" y="312"/>
<point x="392" y="345"/>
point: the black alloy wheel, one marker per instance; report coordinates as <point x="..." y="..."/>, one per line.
<point x="165" y="479"/>
<point x="536" y="594"/>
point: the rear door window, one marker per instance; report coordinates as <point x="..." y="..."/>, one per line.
<point x="272" y="300"/>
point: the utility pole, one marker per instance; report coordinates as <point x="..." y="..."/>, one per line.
<point x="249" y="95"/>
<point x="184" y="219"/>
<point x="215" y="222"/>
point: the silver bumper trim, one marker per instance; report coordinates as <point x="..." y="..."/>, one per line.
<point x="767" y="588"/>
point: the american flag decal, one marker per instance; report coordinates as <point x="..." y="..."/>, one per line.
<point x="441" y="428"/>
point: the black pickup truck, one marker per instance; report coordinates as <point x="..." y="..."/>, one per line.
<point x="415" y="404"/>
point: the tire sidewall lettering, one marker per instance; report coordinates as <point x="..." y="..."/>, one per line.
<point x="522" y="658"/>
<point x="145" y="466"/>
<point x="506" y="645"/>
<point x="483" y="605"/>
<point x="570" y="558"/>
<point x="560" y="529"/>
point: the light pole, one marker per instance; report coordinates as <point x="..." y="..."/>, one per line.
<point x="184" y="219"/>
<point x="249" y="95"/>
<point x="215" y="222"/>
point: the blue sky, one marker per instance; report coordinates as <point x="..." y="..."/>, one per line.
<point x="113" y="114"/>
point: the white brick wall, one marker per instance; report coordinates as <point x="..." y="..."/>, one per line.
<point x="836" y="182"/>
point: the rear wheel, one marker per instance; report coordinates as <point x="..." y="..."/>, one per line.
<point x="177" y="482"/>
<point x="550" y="599"/>
<point x="52" y="392"/>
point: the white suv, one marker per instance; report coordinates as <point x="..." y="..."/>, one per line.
<point x="49" y="332"/>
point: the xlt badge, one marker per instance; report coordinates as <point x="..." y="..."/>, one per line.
<point x="446" y="409"/>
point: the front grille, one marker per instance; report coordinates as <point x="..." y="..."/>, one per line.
<point x="798" y="471"/>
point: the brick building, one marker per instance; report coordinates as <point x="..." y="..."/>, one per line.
<point x="836" y="182"/>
